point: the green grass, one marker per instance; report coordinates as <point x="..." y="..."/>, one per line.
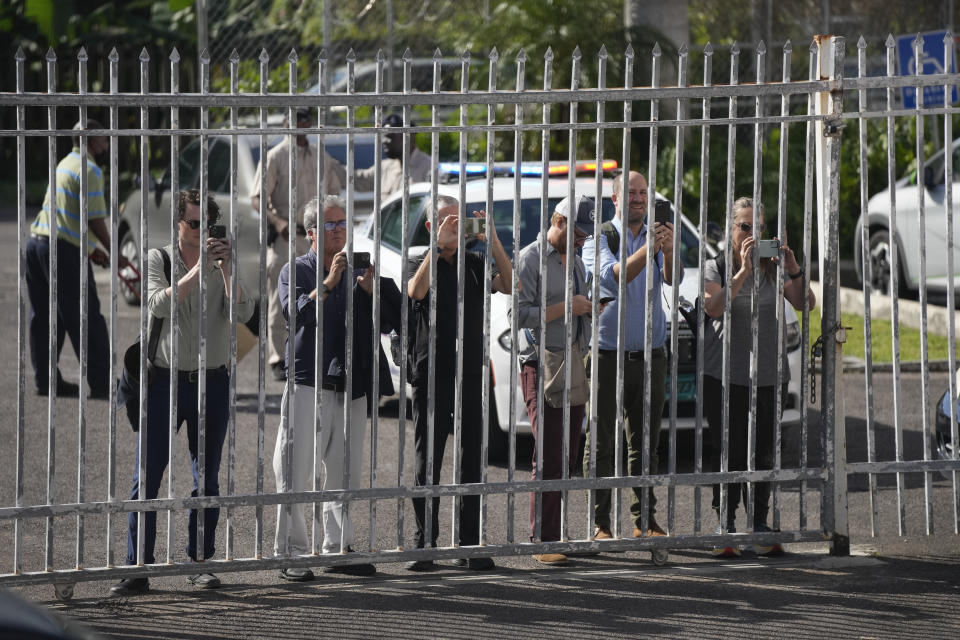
<point x="910" y="339"/>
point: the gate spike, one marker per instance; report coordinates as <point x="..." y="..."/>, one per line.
<point x="602" y="54"/>
<point x="494" y="54"/>
<point x="145" y="55"/>
<point x="708" y="50"/>
<point x="548" y="56"/>
<point x="407" y="55"/>
<point x="20" y="56"/>
<point x="522" y="56"/>
<point x="656" y="50"/>
<point x="788" y="46"/>
<point x="82" y="55"/>
<point x="891" y="43"/>
<point x="114" y="56"/>
<point x="234" y="56"/>
<point x="264" y="56"/>
<point x="51" y="55"/>
<point x="293" y="57"/>
<point x="174" y="55"/>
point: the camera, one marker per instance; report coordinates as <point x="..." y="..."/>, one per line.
<point x="474" y="225"/>
<point x="662" y="212"/>
<point x="768" y="248"/>
<point x="361" y="260"/>
<point x="218" y="231"/>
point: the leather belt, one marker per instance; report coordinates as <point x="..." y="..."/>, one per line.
<point x="337" y="387"/>
<point x="633" y="356"/>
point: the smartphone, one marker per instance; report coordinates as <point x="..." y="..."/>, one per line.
<point x="607" y="300"/>
<point x="361" y="260"/>
<point x="474" y="225"/>
<point x="662" y="213"/>
<point x="218" y="231"/>
<point x="768" y="248"/>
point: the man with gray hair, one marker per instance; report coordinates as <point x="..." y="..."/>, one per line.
<point x="448" y="311"/>
<point x="294" y="453"/>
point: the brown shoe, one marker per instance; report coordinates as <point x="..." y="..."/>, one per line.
<point x="551" y="559"/>
<point x="654" y="532"/>
<point x="602" y="533"/>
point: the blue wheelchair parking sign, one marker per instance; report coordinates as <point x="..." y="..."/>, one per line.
<point x="931" y="63"/>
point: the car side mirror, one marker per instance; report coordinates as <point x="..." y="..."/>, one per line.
<point x="929" y="177"/>
<point x="714" y="232"/>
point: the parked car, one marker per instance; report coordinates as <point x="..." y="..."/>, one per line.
<point x="942" y="437"/>
<point x="907" y="236"/>
<point x="218" y="183"/>
<point x="500" y="347"/>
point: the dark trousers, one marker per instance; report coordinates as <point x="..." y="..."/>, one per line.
<point x="739" y="415"/>
<point x="471" y="434"/>
<point x="549" y="433"/>
<point x="633" y="372"/>
<point x="157" y="454"/>
<point x="68" y="312"/>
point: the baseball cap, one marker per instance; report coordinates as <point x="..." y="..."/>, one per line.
<point x="583" y="208"/>
<point x="393" y="120"/>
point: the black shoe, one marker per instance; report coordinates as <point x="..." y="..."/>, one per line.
<point x="420" y="565"/>
<point x="64" y="389"/>
<point x="296" y="574"/>
<point x="279" y="372"/>
<point x="474" y="564"/>
<point x="131" y="587"/>
<point x="365" y="569"/>
<point x="204" y="581"/>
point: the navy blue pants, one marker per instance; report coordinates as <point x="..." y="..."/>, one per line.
<point x="157" y="454"/>
<point x="68" y="312"/>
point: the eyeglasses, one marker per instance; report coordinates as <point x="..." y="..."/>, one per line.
<point x="193" y="224"/>
<point x="333" y="226"/>
<point x="746" y="227"/>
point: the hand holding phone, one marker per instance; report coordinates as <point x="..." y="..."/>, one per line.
<point x="218" y="231"/>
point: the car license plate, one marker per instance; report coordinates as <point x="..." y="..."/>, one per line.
<point x="686" y="387"/>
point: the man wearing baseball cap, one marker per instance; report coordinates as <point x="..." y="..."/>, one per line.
<point x="391" y="167"/>
<point x="546" y="413"/>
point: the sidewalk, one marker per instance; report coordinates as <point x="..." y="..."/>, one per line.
<point x="804" y="594"/>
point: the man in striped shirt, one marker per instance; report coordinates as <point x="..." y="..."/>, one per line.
<point x="64" y="209"/>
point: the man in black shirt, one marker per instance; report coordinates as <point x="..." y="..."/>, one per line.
<point x="446" y="351"/>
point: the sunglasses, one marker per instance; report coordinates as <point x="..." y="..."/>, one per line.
<point x="194" y="224"/>
<point x="333" y="226"/>
<point x="746" y="227"/>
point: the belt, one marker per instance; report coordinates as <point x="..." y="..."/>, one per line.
<point x="658" y="352"/>
<point x="194" y="375"/>
<point x="333" y="386"/>
<point x="37" y="236"/>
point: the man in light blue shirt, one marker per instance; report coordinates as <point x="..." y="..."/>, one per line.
<point x="634" y="242"/>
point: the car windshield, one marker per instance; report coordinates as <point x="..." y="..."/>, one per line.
<point x="530" y="227"/>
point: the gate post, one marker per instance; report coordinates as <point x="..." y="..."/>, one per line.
<point x="833" y="424"/>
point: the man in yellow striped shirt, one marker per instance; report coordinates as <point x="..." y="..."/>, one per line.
<point x="63" y="208"/>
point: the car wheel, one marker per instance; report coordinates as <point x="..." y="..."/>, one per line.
<point x="498" y="442"/>
<point x="880" y="255"/>
<point x="127" y="246"/>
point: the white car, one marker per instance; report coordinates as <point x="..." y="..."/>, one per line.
<point x="907" y="236"/>
<point x="530" y="193"/>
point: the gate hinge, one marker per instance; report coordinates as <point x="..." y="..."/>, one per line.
<point x="841" y="335"/>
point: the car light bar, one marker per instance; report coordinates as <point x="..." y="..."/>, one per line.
<point x="451" y="170"/>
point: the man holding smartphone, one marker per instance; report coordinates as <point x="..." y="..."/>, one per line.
<point x="326" y="364"/>
<point x="448" y="312"/>
<point x="631" y="238"/>
<point x="218" y="271"/>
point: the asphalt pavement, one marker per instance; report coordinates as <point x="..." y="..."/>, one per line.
<point x="892" y="585"/>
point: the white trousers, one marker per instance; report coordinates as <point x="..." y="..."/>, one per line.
<point x="296" y="474"/>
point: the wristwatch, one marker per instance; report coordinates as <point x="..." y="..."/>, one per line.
<point x="798" y="274"/>
<point x="323" y="289"/>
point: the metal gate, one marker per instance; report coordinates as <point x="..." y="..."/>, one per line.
<point x="809" y="493"/>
